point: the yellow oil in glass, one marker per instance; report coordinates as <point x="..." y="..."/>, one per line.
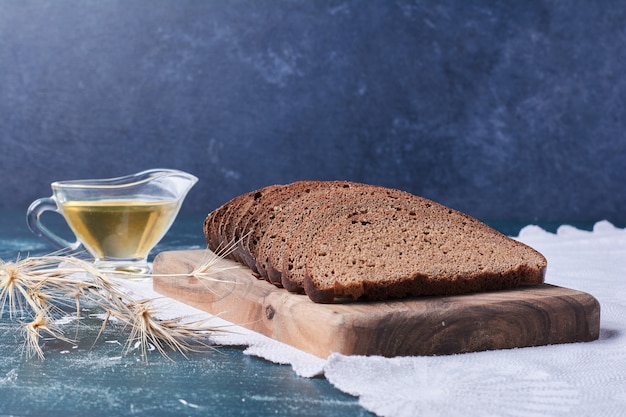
<point x="120" y="229"/>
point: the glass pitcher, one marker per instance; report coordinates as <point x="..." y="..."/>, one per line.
<point x="117" y="220"/>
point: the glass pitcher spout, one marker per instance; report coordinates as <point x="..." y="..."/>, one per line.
<point x="162" y="183"/>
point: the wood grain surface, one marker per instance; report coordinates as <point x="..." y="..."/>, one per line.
<point x="527" y="316"/>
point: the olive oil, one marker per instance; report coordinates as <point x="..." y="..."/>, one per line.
<point x="120" y="229"/>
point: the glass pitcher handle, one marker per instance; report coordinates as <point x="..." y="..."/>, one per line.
<point x="33" y="219"/>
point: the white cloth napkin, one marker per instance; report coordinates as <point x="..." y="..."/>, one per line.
<point x="577" y="379"/>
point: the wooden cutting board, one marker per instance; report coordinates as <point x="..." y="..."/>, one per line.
<point x="527" y="316"/>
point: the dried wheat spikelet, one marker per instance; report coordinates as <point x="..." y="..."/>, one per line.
<point x="43" y="288"/>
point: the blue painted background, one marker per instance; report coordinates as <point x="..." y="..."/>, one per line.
<point x="504" y="110"/>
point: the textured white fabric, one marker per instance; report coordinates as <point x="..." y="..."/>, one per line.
<point x="578" y="379"/>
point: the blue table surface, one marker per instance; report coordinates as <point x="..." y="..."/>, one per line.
<point x="99" y="380"/>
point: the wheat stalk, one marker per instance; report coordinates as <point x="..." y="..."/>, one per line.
<point x="40" y="287"/>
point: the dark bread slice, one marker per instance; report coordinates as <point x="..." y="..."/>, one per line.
<point x="359" y="198"/>
<point x="214" y="221"/>
<point x="207" y="227"/>
<point x="231" y="229"/>
<point x="276" y="233"/>
<point x="257" y="220"/>
<point x="427" y="250"/>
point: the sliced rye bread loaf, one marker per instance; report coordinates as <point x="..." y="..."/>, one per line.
<point x="266" y="209"/>
<point x="292" y="212"/>
<point x="359" y="199"/>
<point x="303" y="222"/>
<point x="428" y="250"/>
